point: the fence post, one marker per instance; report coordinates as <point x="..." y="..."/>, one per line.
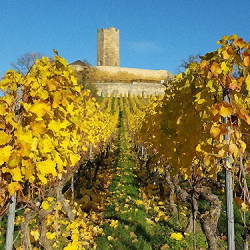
<point x="10" y="223"/>
<point x="12" y="207"/>
<point x="229" y="185"/>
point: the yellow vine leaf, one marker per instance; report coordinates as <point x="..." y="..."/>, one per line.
<point x="50" y="235"/>
<point x="60" y="61"/>
<point x="110" y="238"/>
<point x="78" y="89"/>
<point x="38" y="127"/>
<point x="59" y="162"/>
<point x="247" y="61"/>
<point x="42" y="178"/>
<point x="65" y="143"/>
<point x="64" y="124"/>
<point x="11" y="119"/>
<point x="244" y="207"/>
<point x="233" y="149"/>
<point x="138" y="202"/>
<point x="243" y="146"/>
<point x="33" y="146"/>
<point x="248" y="83"/>
<point x="225" y="110"/>
<point x="47" y="167"/>
<point x="9" y="99"/>
<point x="198" y="148"/>
<point x="224" y="67"/>
<point x="233" y="83"/>
<point x="199" y="100"/>
<point x="34" y="84"/>
<point x="74" y="158"/>
<point x="40" y="108"/>
<point x="5" y="153"/>
<point x="222" y="153"/>
<point x="65" y="102"/>
<point x="2" y="109"/>
<point x="13" y="160"/>
<point x="225" y="54"/>
<point x="176" y="236"/>
<point x="13" y="187"/>
<point x="164" y="247"/>
<point x="45" y="205"/>
<point x="162" y="215"/>
<point x="28" y="170"/>
<point x="210" y="85"/>
<point x="54" y="126"/>
<point x="4" y="138"/>
<point x="241" y="204"/>
<point x="70" y="109"/>
<point x="214" y="109"/>
<point x="51" y="84"/>
<point x="204" y="63"/>
<point x="15" y="172"/>
<point x="207" y="161"/>
<point x="215" y="131"/>
<point x="114" y="224"/>
<point x="25" y="137"/>
<point x="239" y="42"/>
<point x="56" y="99"/>
<point x="35" y="234"/>
<point x="179" y="76"/>
<point x="223" y="40"/>
<point x="215" y="69"/>
<point x="46" y="146"/>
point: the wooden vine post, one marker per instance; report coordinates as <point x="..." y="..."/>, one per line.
<point x="229" y="185"/>
<point x="12" y="206"/>
<point x="10" y="223"/>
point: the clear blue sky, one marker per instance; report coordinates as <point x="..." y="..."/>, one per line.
<point x="155" y="34"/>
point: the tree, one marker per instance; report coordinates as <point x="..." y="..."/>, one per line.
<point x="185" y="63"/>
<point x="25" y="62"/>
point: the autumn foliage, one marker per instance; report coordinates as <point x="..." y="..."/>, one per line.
<point x="185" y="132"/>
<point x="47" y="127"/>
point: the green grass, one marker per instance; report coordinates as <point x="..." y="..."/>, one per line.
<point x="238" y="223"/>
<point x="3" y="231"/>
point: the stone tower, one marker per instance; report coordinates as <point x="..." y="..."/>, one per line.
<point x="108" y="48"/>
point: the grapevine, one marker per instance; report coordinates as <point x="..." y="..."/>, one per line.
<point x="46" y="131"/>
<point x="186" y="134"/>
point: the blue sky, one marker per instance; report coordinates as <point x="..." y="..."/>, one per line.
<point x="155" y="34"/>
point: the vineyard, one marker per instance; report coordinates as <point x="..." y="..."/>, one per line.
<point x="165" y="172"/>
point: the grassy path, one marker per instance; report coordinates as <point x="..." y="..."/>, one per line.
<point x="133" y="222"/>
<point x="126" y="225"/>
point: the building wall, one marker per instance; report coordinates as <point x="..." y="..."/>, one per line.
<point x="108" y="47"/>
<point x="139" y="73"/>
<point x="78" y="67"/>
<point x="125" y="89"/>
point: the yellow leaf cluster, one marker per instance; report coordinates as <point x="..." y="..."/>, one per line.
<point x="176" y="236"/>
<point x="58" y="122"/>
<point x="114" y="224"/>
<point x="186" y="126"/>
<point x="45" y="205"/>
